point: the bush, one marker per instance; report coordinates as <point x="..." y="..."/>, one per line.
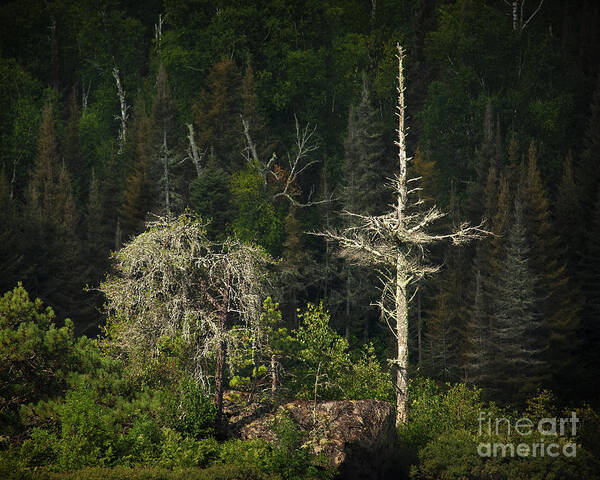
<point x="180" y="451"/>
<point x="194" y="413"/>
<point x="215" y="472"/>
<point x="435" y="409"/>
<point x="323" y="355"/>
<point x="454" y="455"/>
<point x="443" y="434"/>
<point x="367" y="379"/>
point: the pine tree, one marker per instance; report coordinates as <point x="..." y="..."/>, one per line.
<point x="568" y="219"/>
<point x="364" y="159"/>
<point x="489" y="254"/>
<point x="252" y="114"/>
<point x="590" y="329"/>
<point x="518" y="335"/>
<point x="71" y="149"/>
<point x="217" y="115"/>
<point x="557" y="304"/>
<point x="97" y="244"/>
<point x="363" y="193"/>
<point x="296" y="269"/>
<point x="41" y="185"/>
<point x="447" y="321"/>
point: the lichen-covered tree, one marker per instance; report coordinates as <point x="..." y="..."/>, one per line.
<point x="174" y="285"/>
<point x="395" y="244"/>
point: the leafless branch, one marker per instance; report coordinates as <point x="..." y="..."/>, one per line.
<point x="287" y="178"/>
<point x="535" y="12"/>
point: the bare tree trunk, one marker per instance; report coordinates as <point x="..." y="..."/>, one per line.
<point x="166" y="173"/>
<point x="395" y="242"/>
<point x="401" y="279"/>
<point x="402" y="334"/>
<point x="124" y="116"/>
<point x="348" y="306"/>
<point x="273" y="373"/>
<point x="221" y="354"/>
<point x="118" y="234"/>
<point x="193" y="153"/>
<point x="419" y="329"/>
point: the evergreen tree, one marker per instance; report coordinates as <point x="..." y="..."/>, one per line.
<point x="217" y="115"/>
<point x="590" y="330"/>
<point x="71" y="149"/>
<point x="489" y="255"/>
<point x="364" y="193"/>
<point x="557" y="304"/>
<point x="164" y="121"/>
<point x="447" y="321"/>
<point x="568" y="217"/>
<point x="42" y="180"/>
<point x="364" y="159"/>
<point x="141" y="188"/>
<point x="519" y="342"/>
<point x="11" y="258"/>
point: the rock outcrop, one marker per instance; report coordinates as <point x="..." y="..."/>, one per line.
<point x="357" y="436"/>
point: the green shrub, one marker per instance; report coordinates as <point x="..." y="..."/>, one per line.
<point x="454" y="455"/>
<point x="443" y="434"/>
<point x="141" y="443"/>
<point x="195" y="413"/>
<point x="323" y="355"/>
<point x="289" y="457"/>
<point x="436" y="408"/>
<point x="90" y="429"/>
<point x="40" y="449"/>
<point x="249" y="453"/>
<point x="367" y="379"/>
<point x="215" y="472"/>
<point x="180" y="451"/>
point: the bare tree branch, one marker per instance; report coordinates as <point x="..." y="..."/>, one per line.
<point x="287" y="178"/>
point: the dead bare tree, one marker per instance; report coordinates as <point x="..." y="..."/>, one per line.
<point x="124" y="115"/>
<point x="194" y="154"/>
<point x="395" y="244"/>
<point x="285" y="176"/>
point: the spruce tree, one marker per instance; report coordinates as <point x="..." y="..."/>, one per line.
<point x="557" y="304"/>
<point x="519" y="341"/>
<point x="489" y="255"/>
<point x="364" y="193"/>
<point x="217" y="115"/>
<point x="11" y="258"/>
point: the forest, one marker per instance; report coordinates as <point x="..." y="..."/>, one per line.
<point x="220" y="213"/>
